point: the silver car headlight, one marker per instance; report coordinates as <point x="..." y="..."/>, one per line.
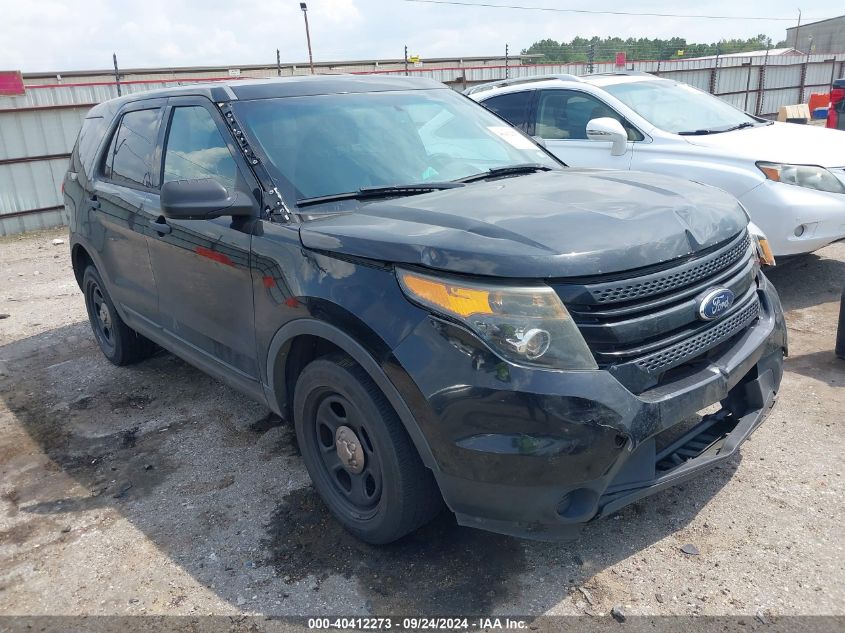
<point x="526" y="324"/>
<point x="809" y="176"/>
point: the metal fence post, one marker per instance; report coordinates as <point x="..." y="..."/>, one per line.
<point x="761" y="88"/>
<point x="116" y="74"/>
<point x="406" y="61"/>
<point x="748" y="82"/>
<point x="507" y="70"/>
<point x="278" y="63"/>
<point x="803" y="79"/>
<point x="840" y="332"/>
<point x="714" y="73"/>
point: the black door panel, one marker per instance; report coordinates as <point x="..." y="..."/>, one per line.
<point x="202" y="266"/>
<point x="118" y="204"/>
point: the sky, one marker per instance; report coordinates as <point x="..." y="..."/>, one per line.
<point x="49" y="35"/>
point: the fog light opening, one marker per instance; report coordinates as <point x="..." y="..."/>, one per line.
<point x="799" y="230"/>
<point x="578" y="505"/>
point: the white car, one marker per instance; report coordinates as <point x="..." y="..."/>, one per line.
<point x="790" y="178"/>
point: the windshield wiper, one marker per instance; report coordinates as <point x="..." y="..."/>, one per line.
<point x="704" y="131"/>
<point x="522" y="168"/>
<point x="699" y="132"/>
<point x="741" y="126"/>
<point x="381" y="192"/>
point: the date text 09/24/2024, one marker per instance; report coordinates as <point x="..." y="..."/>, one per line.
<point x="417" y="623"/>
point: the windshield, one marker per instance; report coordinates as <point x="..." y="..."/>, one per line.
<point x="677" y="108"/>
<point x="331" y="144"/>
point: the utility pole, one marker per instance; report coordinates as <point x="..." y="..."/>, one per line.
<point x="406" y="60"/>
<point x="278" y="63"/>
<point x="591" y="57"/>
<point x="304" y="8"/>
<point x="116" y="74"/>
<point x="507" y="70"/>
<point x="798" y="32"/>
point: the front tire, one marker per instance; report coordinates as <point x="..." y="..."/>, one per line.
<point x="361" y="460"/>
<point x="119" y="343"/>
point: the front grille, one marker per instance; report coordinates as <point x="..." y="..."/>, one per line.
<point x="664" y="282"/>
<point x="695" y="345"/>
<point x="645" y="324"/>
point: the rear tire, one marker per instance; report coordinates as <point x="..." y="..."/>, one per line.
<point x="119" y="343"/>
<point x="358" y="454"/>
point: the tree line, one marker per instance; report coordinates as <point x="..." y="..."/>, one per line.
<point x="581" y="49"/>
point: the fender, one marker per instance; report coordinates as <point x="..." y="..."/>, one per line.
<point x="312" y="327"/>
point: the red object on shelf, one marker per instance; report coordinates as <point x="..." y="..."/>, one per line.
<point x="11" y="83"/>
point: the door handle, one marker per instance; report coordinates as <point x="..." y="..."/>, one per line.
<point x="160" y="225"/>
<point x="93" y="203"/>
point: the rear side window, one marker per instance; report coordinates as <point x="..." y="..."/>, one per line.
<point x="196" y="149"/>
<point x="131" y="155"/>
<point x="87" y="142"/>
<point x="513" y="107"/>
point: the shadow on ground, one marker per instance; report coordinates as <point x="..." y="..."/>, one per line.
<point x="216" y="484"/>
<point x="807" y="280"/>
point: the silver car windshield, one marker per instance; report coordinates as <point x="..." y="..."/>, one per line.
<point x="679" y="108"/>
<point x="330" y="144"/>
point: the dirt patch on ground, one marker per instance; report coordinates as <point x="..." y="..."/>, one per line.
<point x="154" y="489"/>
<point x="306" y="541"/>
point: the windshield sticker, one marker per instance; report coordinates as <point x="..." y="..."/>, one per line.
<point x="512" y="136"/>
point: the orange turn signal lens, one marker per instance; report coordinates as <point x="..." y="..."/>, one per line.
<point x="450" y="298"/>
<point x="766" y="255"/>
<point x="772" y="173"/>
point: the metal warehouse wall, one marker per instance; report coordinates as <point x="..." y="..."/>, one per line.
<point x="38" y="129"/>
<point x="826" y="35"/>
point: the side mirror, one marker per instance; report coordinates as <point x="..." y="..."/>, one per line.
<point x="203" y="200"/>
<point x="607" y="129"/>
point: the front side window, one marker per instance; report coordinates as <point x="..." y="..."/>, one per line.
<point x="513" y="107"/>
<point x="195" y="149"/>
<point x="564" y="114"/>
<point x="130" y="158"/>
<point x="329" y="144"/>
<point x="679" y="108"/>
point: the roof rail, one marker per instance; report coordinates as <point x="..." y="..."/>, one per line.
<point x="518" y="80"/>
<point x="635" y="73"/>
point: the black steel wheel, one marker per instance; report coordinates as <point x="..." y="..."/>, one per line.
<point x="361" y="460"/>
<point x="119" y="343"/>
<point x="347" y="453"/>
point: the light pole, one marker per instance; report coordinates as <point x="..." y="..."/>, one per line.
<point x="304" y="8"/>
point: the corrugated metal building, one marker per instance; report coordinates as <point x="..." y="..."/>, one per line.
<point x="38" y="128"/>
<point x="825" y="36"/>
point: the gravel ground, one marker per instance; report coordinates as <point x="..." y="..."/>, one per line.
<point x="156" y="490"/>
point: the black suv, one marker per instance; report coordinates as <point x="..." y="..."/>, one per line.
<point x="442" y="309"/>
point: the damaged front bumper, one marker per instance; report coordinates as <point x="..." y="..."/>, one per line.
<point x="537" y="454"/>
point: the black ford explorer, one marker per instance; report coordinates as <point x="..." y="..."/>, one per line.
<point x="443" y="310"/>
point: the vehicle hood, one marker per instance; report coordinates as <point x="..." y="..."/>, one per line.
<point x="780" y="143"/>
<point x="565" y="223"/>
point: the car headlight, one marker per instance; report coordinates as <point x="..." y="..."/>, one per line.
<point x="761" y="245"/>
<point x="809" y="176"/>
<point x="525" y="324"/>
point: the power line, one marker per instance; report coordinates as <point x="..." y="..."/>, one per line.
<point x="596" y="12"/>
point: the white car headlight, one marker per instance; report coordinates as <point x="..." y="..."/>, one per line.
<point x="809" y="176"/>
<point x="525" y="324"/>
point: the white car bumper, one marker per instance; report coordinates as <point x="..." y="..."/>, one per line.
<point x="795" y="219"/>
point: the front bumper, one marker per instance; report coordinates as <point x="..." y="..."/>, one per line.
<point x="536" y="453"/>
<point x="782" y="210"/>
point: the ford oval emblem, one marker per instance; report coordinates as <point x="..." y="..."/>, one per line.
<point x="714" y="303"/>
